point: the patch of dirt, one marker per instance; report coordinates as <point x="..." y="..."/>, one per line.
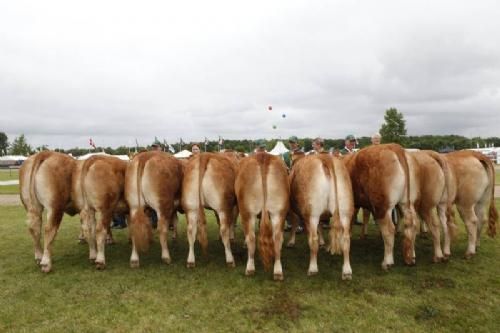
<point x="9" y="200"/>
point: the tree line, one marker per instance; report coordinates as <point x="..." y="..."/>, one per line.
<point x="392" y="130"/>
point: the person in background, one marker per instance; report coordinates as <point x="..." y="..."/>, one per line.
<point x="260" y="146"/>
<point x="318" y="146"/>
<point x="376" y="138"/>
<point x="349" y="145"/>
<point x="195" y="149"/>
<point x="293" y="141"/>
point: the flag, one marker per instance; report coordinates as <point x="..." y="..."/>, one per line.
<point x="206" y="143"/>
<point x="92" y="143"/>
<point x="171" y="148"/>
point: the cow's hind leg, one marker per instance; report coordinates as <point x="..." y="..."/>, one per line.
<point x="54" y="217"/>
<point x="248" y="222"/>
<point x="294" y="220"/>
<point x="429" y="218"/>
<point x="278" y="221"/>
<point x="364" y="227"/>
<point x="387" y="229"/>
<point x="101" y="232"/>
<point x="444" y="224"/>
<point x="35" y="229"/>
<point x="470" y="219"/>
<point x="192" y="224"/>
<point x="89" y="226"/>
<point x="225" y="226"/>
<point x="312" y="233"/>
<point x="163" y="226"/>
<point x="480" y="211"/>
<point x="410" y="233"/>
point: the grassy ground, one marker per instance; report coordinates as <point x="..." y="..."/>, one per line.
<point x="458" y="296"/>
<point x="9" y="189"/>
<point x="497" y="176"/>
<point x="9" y="175"/>
<point x="6" y="174"/>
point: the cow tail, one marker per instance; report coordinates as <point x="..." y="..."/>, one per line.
<point x="202" y="235"/>
<point x="140" y="226"/>
<point x="266" y="243"/>
<point x="39" y="159"/>
<point x="336" y="232"/>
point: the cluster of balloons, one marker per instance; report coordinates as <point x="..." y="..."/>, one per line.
<point x="270" y="108"/>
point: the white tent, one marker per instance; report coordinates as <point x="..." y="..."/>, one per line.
<point x="183" y="154"/>
<point x="86" y="156"/>
<point x="279" y="149"/>
<point x="13" y="158"/>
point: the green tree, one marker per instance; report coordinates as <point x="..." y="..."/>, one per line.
<point x="20" y="146"/>
<point x="394" y="128"/>
<point x="4" y="143"/>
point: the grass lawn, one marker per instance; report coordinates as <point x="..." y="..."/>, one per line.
<point x="457" y="296"/>
<point x="6" y="174"/>
<point x="9" y="189"/>
<point x="497" y="176"/>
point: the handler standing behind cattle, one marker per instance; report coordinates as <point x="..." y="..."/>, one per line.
<point x="262" y="188"/>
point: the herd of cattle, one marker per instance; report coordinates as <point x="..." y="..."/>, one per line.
<point x="379" y="179"/>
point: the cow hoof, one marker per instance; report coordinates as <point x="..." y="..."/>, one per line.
<point x="46" y="268"/>
<point x="311" y="273"/>
<point x="82" y="241"/>
<point x="446" y="257"/>
<point x="100" y="265"/>
<point x="410" y="263"/>
<point x="166" y="260"/>
<point x="174" y="237"/>
<point x="468" y="255"/>
<point x="38" y="261"/>
<point x="362" y="237"/>
<point x="290" y="245"/>
<point x="92" y="260"/>
<point x="437" y="260"/>
<point x="347" y="276"/>
<point x="278" y="276"/>
<point x="249" y="272"/>
<point x="134" y="263"/>
<point x="110" y="241"/>
<point x="231" y="264"/>
<point x="386" y="267"/>
<point x="190" y="265"/>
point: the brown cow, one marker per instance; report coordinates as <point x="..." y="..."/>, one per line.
<point x="209" y="183"/>
<point x="262" y="188"/>
<point x="98" y="193"/>
<point x="319" y="185"/>
<point x="472" y="189"/>
<point x="45" y="183"/>
<point x="381" y="180"/>
<point x="153" y="179"/>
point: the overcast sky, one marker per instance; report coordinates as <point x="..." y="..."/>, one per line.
<point x="119" y="70"/>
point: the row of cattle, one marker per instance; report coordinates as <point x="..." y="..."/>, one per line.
<point x="378" y="179"/>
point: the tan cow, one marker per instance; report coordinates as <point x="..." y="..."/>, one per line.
<point x="45" y="183"/>
<point x="98" y="193"/>
<point x="381" y="180"/>
<point x="319" y="185"/>
<point x="209" y="183"/>
<point x="433" y="177"/>
<point x="472" y="189"/>
<point x="262" y="188"/>
<point x="153" y="179"/>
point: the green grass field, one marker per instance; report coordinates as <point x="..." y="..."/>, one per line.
<point x="6" y="174"/>
<point x="497" y="176"/>
<point x="458" y="296"/>
<point x="9" y="175"/>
